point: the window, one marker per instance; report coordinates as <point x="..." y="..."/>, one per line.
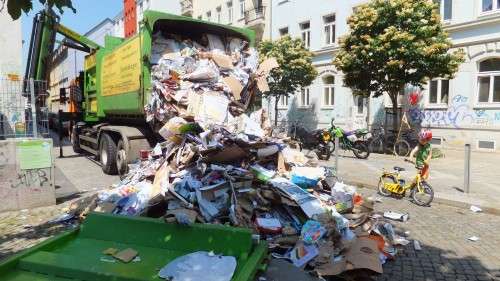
<point x="328" y="91"/>
<point x="283" y="102"/>
<point x="242" y="8"/>
<point x="439" y="91"/>
<point x="209" y="16"/>
<point x="304" y="97"/>
<point x="329" y="22"/>
<point x="489" y="5"/>
<point x="447" y="9"/>
<point x="360" y="104"/>
<point x="230" y="11"/>
<point x="489" y="81"/>
<point x="218" y="10"/>
<point x="283" y="31"/>
<point x="306" y="33"/>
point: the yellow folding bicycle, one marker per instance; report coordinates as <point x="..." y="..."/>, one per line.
<point x="392" y="184"/>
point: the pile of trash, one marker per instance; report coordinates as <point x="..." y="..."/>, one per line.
<point x="208" y="80"/>
<point x="219" y="165"/>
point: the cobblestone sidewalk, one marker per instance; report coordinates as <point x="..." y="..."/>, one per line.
<point x="446" y="253"/>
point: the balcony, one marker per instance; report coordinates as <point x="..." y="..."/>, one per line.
<point x="187" y="8"/>
<point x="255" y="17"/>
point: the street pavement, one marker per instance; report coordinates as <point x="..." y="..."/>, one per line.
<point x="446" y="176"/>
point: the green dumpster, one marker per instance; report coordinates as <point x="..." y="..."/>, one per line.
<point x="78" y="254"/>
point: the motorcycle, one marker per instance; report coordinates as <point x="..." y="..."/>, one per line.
<point x="356" y="141"/>
<point x="317" y="140"/>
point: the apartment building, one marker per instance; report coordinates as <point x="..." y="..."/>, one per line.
<point x="11" y="42"/>
<point x="253" y="14"/>
<point x="465" y="109"/>
<point x="67" y="63"/>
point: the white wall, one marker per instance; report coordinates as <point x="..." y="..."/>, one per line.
<point x="11" y="45"/>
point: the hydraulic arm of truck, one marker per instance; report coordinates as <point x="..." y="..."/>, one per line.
<point x="43" y="36"/>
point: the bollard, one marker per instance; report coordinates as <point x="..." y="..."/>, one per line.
<point x="60" y="125"/>
<point x="467" y="168"/>
<point x="337" y="156"/>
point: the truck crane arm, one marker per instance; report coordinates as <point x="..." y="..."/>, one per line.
<point x="43" y="36"/>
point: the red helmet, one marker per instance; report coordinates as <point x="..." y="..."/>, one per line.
<point x="425" y="135"/>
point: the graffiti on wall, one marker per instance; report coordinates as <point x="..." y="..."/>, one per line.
<point x="458" y="114"/>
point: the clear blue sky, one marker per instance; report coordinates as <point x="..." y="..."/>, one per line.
<point x="88" y="14"/>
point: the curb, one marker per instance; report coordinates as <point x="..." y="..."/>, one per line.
<point x="443" y="201"/>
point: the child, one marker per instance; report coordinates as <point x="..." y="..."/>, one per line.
<point x="423" y="153"/>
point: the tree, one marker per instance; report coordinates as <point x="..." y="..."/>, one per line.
<point x="393" y="43"/>
<point x="295" y="70"/>
<point x="16" y="7"/>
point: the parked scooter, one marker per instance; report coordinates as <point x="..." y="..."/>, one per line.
<point x="317" y="140"/>
<point x="356" y="141"/>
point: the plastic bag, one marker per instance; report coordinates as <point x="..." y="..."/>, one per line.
<point x="312" y="232"/>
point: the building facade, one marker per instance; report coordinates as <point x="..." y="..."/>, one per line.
<point x="11" y="43"/>
<point x="167" y="6"/>
<point x="463" y="110"/>
<point x="253" y="14"/>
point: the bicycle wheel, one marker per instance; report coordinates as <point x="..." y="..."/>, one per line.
<point x="401" y="148"/>
<point x="423" y="198"/>
<point x="376" y="145"/>
<point x="381" y="184"/>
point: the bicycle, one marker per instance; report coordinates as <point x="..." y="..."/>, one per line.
<point x="391" y="183"/>
<point x="399" y="147"/>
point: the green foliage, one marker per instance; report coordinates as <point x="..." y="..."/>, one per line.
<point x="393" y="43"/>
<point x="16" y="7"/>
<point x="296" y="69"/>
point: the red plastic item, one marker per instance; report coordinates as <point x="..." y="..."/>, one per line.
<point x="357" y="199"/>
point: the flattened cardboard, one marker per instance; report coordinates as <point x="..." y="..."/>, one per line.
<point x="235" y="86"/>
<point x="267" y="65"/>
<point x="363" y="253"/>
<point x="223" y="61"/>
<point x="228" y="154"/>
<point x="110" y="251"/>
<point x="126" y="255"/>
<point x="161" y="179"/>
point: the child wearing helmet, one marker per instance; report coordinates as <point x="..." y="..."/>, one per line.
<point x="423" y="153"/>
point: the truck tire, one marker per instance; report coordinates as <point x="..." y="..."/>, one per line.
<point x="107" y="154"/>
<point x="121" y="158"/>
<point x="75" y="140"/>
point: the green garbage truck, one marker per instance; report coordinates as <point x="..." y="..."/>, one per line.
<point x="116" y="81"/>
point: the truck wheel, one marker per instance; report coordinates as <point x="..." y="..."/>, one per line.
<point x="75" y="140"/>
<point x="121" y="158"/>
<point x="107" y="154"/>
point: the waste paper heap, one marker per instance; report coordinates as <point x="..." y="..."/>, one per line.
<point x="220" y="165"/>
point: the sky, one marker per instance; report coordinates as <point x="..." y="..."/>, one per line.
<point x="88" y="14"/>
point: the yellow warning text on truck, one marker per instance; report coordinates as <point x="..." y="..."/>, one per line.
<point x="121" y="69"/>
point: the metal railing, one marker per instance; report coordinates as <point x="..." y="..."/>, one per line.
<point x="255" y="14"/>
<point x="23" y="109"/>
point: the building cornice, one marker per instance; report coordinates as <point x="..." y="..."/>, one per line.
<point x="491" y="19"/>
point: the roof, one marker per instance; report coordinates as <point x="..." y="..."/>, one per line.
<point x="99" y="25"/>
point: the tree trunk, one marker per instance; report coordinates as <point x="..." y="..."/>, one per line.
<point x="276" y="100"/>
<point x="394" y="100"/>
